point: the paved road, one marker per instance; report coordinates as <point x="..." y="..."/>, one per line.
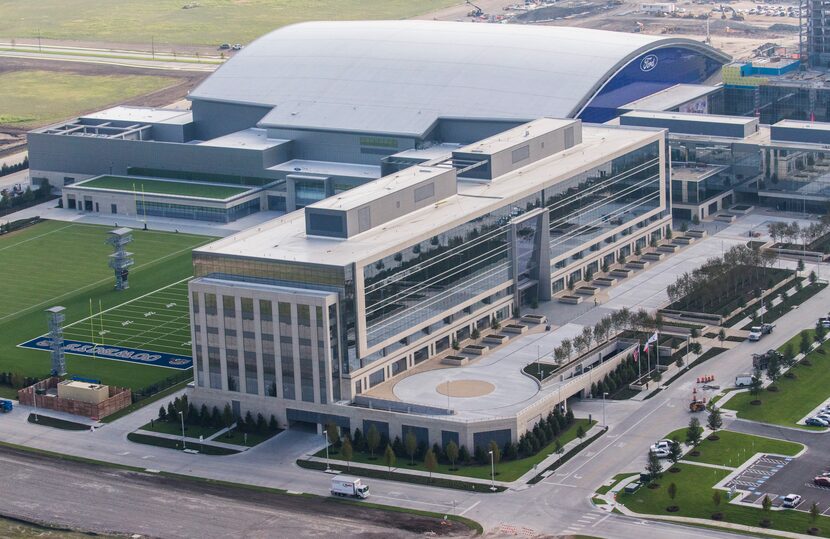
<point x="92" y="56"/>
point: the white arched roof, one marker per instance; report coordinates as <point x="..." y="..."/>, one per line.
<point x="400" y="76"/>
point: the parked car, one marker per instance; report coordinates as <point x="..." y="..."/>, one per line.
<point x="661" y="453"/>
<point x="766" y="329"/>
<point x="225" y="47"/>
<point x="825" y="322"/>
<point x="816" y="422"/>
<point x="821" y="481"/>
<point x="661" y="444"/>
<point x="237" y="47"/>
<point x="791" y="501"/>
<point x="755" y="333"/>
<point x="743" y="380"/>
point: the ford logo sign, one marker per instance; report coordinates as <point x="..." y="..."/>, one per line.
<point x="648" y="63"/>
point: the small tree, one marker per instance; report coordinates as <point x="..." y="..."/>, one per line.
<point x="227" y="416"/>
<point x="722" y="335"/>
<point x="755" y="384"/>
<point x="411" y="446"/>
<point x="814" y="513"/>
<point x="675" y="452"/>
<point x="820" y="332"/>
<point x="716" y="499"/>
<point x="373" y="440"/>
<point x="714" y="421"/>
<point x="672" y="491"/>
<point x="580" y="432"/>
<point x="653" y="467"/>
<point x="389" y="458"/>
<point x="812" y="277"/>
<point x="162" y="414"/>
<point x="805" y="343"/>
<point x="332" y="434"/>
<point x="800" y="266"/>
<point x="766" y="504"/>
<point x="773" y="368"/>
<point x="348" y="452"/>
<point x="558" y="449"/>
<point x="694" y="432"/>
<point x="452" y="453"/>
<point x="273" y="426"/>
<point x="430" y="462"/>
<point x="475" y="334"/>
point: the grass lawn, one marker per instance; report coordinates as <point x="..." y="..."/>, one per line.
<point x="143" y="185"/>
<point x="238" y="438"/>
<point x="33" y="98"/>
<point x="175" y="428"/>
<point x="795" y="397"/>
<point x="694" y="498"/>
<point x="58" y="263"/>
<point x="604" y="489"/>
<point x="734" y="448"/>
<point x="505" y="471"/>
<point x="149" y="439"/>
<point x="210" y="23"/>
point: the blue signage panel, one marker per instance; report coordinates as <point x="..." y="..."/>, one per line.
<point x="116" y="353"/>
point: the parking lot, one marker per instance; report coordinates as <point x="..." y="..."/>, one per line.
<point x="756" y="476"/>
<point x="778" y="476"/>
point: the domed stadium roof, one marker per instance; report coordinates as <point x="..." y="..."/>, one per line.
<point x="399" y="77"/>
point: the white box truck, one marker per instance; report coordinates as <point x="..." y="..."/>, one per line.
<point x="344" y="485"/>
<point x="743" y="380"/>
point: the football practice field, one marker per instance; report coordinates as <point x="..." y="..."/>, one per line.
<point x="121" y="338"/>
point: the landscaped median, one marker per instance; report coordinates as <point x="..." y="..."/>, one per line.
<point x="792" y="396"/>
<point x="509" y="463"/>
<point x="687" y="490"/>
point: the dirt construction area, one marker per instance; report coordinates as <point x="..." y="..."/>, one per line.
<point x="46" y="489"/>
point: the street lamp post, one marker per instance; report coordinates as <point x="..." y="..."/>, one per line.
<point x="184" y="443"/>
<point x="604" y="424"/>
<point x="492" y="473"/>
<point x="328" y="463"/>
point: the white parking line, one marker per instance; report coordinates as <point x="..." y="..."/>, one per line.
<point x="471" y="507"/>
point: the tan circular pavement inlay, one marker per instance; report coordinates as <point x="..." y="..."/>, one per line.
<point x="465" y="388"/>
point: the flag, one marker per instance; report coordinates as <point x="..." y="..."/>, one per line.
<point x="652" y="339"/>
<point x="636" y="354"/>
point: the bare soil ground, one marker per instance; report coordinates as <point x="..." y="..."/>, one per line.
<point x="61" y="492"/>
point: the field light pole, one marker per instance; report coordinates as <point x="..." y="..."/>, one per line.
<point x="184" y="443"/>
<point x="328" y="463"/>
<point x="492" y="472"/>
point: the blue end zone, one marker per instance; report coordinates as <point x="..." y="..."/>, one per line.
<point x="117" y="353"/>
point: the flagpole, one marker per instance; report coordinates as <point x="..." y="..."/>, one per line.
<point x="639" y="363"/>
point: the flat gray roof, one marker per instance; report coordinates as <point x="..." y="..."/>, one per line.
<point x="145" y="115"/>
<point x="379" y="188"/>
<point x="328" y="168"/>
<point x="691" y="117"/>
<point x="514" y="136"/>
<point x="671" y="97"/>
<point x="253" y="138"/>
<point x="285" y="238"/>
<point x="796" y="124"/>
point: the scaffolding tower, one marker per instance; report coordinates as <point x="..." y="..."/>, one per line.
<point x="56" y="320"/>
<point x="120" y="259"/>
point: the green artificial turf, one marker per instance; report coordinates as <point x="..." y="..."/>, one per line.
<point x="142" y="186"/>
<point x="58" y="263"/>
